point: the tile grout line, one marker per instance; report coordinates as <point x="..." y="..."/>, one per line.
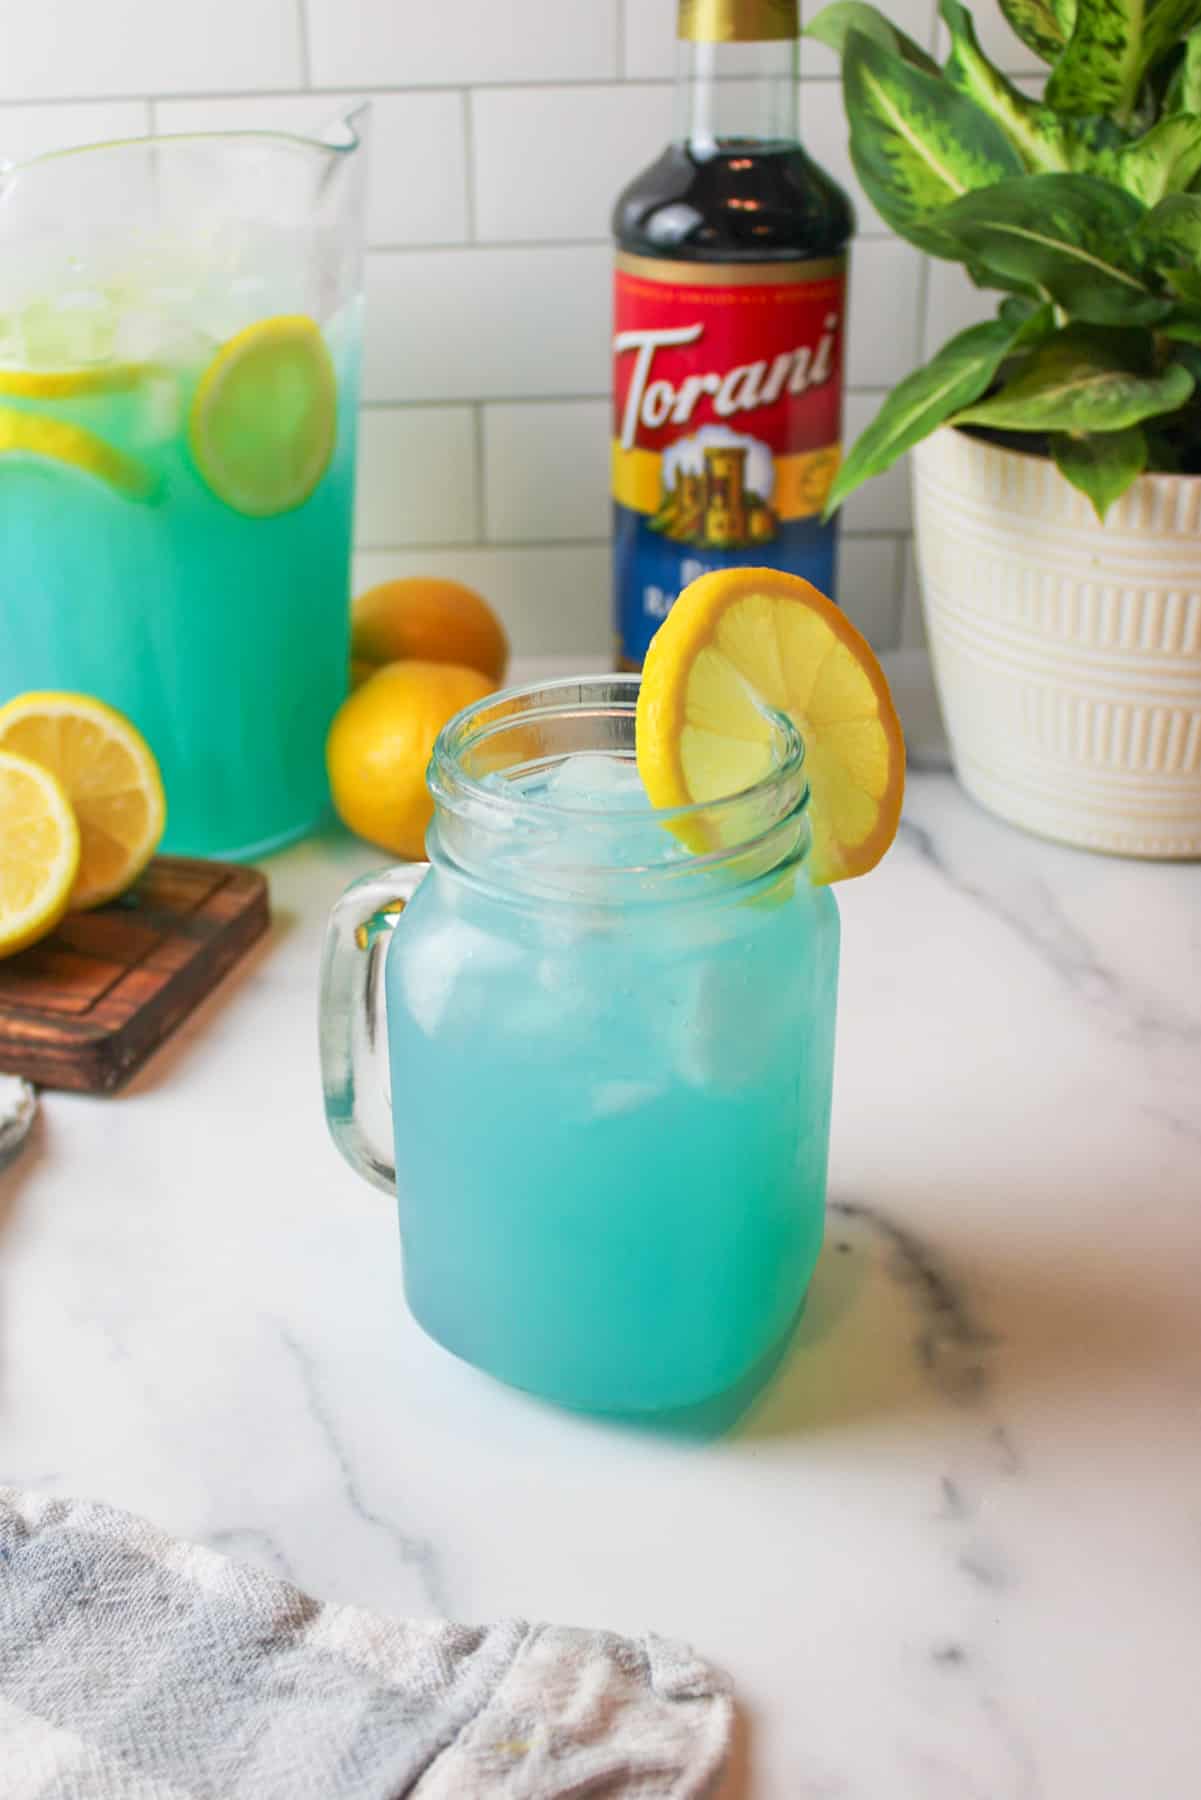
<point x="469" y="198"/>
<point x="489" y="546"/>
<point x="923" y="274"/>
<point x="896" y="621"/>
<point x="401" y="247"/>
<point x="366" y="87"/>
<point x="481" y="497"/>
<point x="302" y="35"/>
<point x="598" y="397"/>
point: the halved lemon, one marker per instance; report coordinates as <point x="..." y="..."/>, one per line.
<point x="108" y="773"/>
<point x="68" y="384"/>
<point x="265" y="415"/>
<point x="39" y="852"/>
<point x="738" y="640"/>
<point x="60" y="441"/>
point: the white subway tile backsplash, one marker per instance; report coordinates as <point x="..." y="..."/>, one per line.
<point x="824" y="135"/>
<point x="883" y="335"/>
<point x="558" y="600"/>
<point x="1003" y="48"/>
<point x="487" y="324"/>
<point x="33" y="130"/>
<point x="416" y="169"/>
<point x="868" y="589"/>
<point x="546" y="470"/>
<point x="915" y="17"/>
<point x="649" y="33"/>
<point x="381" y="43"/>
<point x="485" y="439"/>
<point x="550" y="162"/>
<point x="953" y="302"/>
<point x="913" y="620"/>
<point x="416" y="477"/>
<point x="650" y="44"/>
<point x="649" y="38"/>
<point x="881" y="504"/>
<point x="553" y="600"/>
<point x="81" y="48"/>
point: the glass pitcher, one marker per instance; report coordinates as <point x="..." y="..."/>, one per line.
<point x="611" y="1059"/>
<point x="179" y="369"/>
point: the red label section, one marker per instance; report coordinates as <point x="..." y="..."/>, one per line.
<point x="762" y="358"/>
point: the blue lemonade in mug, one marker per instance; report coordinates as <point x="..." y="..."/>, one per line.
<point x="610" y="1059"/>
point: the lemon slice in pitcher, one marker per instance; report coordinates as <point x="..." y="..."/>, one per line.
<point x="39" y="852"/>
<point x="738" y="640"/>
<point x="265" y="415"/>
<point x="107" y="770"/>
<point x="59" y="441"/>
<point x="70" y="384"/>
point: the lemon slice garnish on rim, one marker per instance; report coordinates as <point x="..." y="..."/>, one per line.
<point x="740" y="640"/>
<point x="39" y="852"/>
<point x="107" y="770"/>
<point x="265" y="415"/>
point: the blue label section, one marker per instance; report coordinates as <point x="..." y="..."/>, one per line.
<point x="649" y="570"/>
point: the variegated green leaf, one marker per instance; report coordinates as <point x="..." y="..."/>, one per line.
<point x="1165" y="160"/>
<point x="1033" y="130"/>
<point x="1100" y="69"/>
<point x="1073" y="382"/>
<point x="1102" y="464"/>
<point x="1184" y="90"/>
<point x="1171" y="231"/>
<point x="1025" y="317"/>
<point x="915" y="143"/>
<point x="1092" y="144"/>
<point x="1189" y="357"/>
<point x="1044" y="26"/>
<point x="833" y="23"/>
<point x="1071" y="235"/>
<point x="1186" y="284"/>
<point x="1166" y="23"/>
<point x="959" y="374"/>
<point x="1171" y="238"/>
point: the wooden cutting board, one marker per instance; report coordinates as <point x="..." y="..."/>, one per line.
<point x="84" y="1008"/>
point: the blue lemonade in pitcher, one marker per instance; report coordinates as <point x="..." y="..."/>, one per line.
<point x="179" y="373"/>
<point x="611" y="1075"/>
<point x="234" y="625"/>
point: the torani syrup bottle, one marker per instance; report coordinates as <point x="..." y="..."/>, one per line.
<point x="728" y="327"/>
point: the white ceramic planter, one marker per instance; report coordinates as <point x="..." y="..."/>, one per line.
<point x="1067" y="653"/>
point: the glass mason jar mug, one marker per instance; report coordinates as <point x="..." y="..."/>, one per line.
<point x="611" y="1039"/>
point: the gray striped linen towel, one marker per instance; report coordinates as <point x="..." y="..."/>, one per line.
<point x="134" y="1666"/>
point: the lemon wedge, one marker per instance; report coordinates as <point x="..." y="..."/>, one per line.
<point x="60" y="441"/>
<point x="740" y="640"/>
<point x="264" y="416"/>
<point x="39" y="852"/>
<point x="106" y="769"/>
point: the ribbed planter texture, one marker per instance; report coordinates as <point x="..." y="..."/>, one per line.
<point x="1067" y="653"/>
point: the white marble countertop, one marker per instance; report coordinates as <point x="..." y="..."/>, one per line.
<point x="953" y="1552"/>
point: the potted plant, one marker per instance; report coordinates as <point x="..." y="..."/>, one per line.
<point x="1057" y="447"/>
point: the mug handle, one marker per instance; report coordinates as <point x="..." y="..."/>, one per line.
<point x="354" y="1038"/>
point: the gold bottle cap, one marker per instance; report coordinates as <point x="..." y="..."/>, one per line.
<point x="737" y="21"/>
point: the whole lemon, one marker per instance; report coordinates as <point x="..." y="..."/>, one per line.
<point x="426" y="618"/>
<point x="379" y="746"/>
